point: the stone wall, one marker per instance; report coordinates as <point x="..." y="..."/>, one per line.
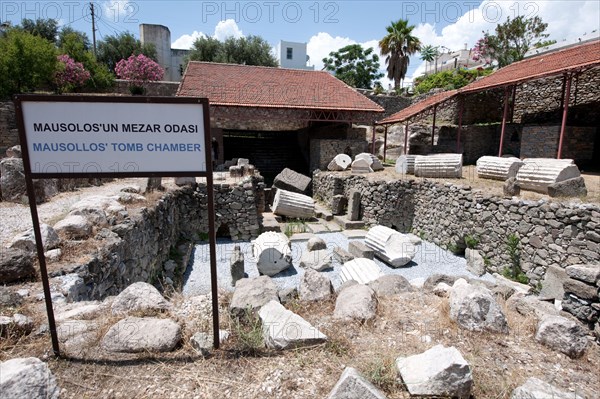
<point x="323" y="151"/>
<point x="391" y="104"/>
<point x="161" y="89"/>
<point x="550" y="233"/>
<point x="137" y="249"/>
<point x="541" y="141"/>
<point x="534" y="99"/>
<point x="9" y="135"/>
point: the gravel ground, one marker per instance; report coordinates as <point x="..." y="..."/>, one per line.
<point x="430" y="259"/>
<point x="16" y="218"/>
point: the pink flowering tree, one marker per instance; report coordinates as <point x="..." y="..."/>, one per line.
<point x="482" y="50"/>
<point x="69" y="74"/>
<point x="138" y="69"/>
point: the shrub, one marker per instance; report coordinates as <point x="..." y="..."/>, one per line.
<point x="448" y="80"/>
<point x="138" y="70"/>
<point x="69" y="74"/>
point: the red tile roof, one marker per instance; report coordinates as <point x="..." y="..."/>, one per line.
<point x="418" y="107"/>
<point x="549" y="64"/>
<point x="254" y="86"/>
<point x="555" y="63"/>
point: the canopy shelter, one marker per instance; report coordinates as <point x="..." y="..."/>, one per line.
<point x="569" y="63"/>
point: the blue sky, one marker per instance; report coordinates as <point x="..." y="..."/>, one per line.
<point x="324" y="25"/>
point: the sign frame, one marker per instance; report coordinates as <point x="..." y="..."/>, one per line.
<point x="29" y="176"/>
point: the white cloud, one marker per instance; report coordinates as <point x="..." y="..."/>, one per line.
<point x="470" y="27"/>
<point x="223" y="30"/>
<point x="113" y="10"/>
<point x="227" y="28"/>
<point x="185" y="42"/>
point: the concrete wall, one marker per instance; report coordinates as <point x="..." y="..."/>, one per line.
<point x="171" y="60"/>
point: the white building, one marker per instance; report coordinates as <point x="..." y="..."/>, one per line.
<point x="171" y="60"/>
<point x="293" y="55"/>
<point x="448" y="60"/>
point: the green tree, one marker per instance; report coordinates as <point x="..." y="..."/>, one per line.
<point x="27" y="62"/>
<point x="46" y="28"/>
<point x="251" y="50"/>
<point x="399" y="44"/>
<point x="514" y="38"/>
<point x="428" y="54"/>
<point x="448" y="80"/>
<point x="116" y="48"/>
<point x="75" y="45"/>
<point x="68" y="31"/>
<point x="205" y="49"/>
<point x="354" y="65"/>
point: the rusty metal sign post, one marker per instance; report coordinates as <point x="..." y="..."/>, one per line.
<point x="90" y="136"/>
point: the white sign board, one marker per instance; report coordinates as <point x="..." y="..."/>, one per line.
<point x="114" y="137"/>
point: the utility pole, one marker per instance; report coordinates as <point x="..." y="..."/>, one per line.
<point x="93" y="27"/>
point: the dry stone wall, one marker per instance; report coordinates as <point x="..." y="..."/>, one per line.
<point x="9" y="135"/>
<point x="137" y="249"/>
<point x="551" y="234"/>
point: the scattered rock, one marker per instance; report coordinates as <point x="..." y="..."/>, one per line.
<point x="360" y="250"/>
<point x="318" y="260"/>
<point x="135" y="334"/>
<point x="236" y="265"/>
<point x="355" y="302"/>
<point x="12" y="180"/>
<point x="442" y="290"/>
<point x="292" y="181"/>
<point x="511" y="187"/>
<point x="432" y="281"/>
<point x="53" y="255"/>
<point x="74" y="226"/>
<point x="392" y="247"/>
<point x="474" y="308"/>
<point x="79" y="311"/>
<point x="27" y="378"/>
<point x="26" y="240"/>
<point x="294" y="205"/>
<point x="204" y="342"/>
<point x="252" y="293"/>
<point x="315" y="244"/>
<point x="415" y="240"/>
<point x="439" y="371"/>
<point x="139" y="297"/>
<point x="581" y="289"/>
<point x="530" y="306"/>
<point x="15" y="265"/>
<point x="562" y="335"/>
<point x="586" y="273"/>
<point x="339" y="163"/>
<point x="18" y="324"/>
<point x="283" y="329"/>
<point x="314" y="286"/>
<point x="362" y="270"/>
<point x="535" y="388"/>
<point x="361" y="166"/>
<point x="75" y="336"/>
<point x="341" y="255"/>
<point x="338" y="204"/>
<point x="272" y="253"/>
<point x="552" y="284"/>
<point x="14" y="152"/>
<point x="9" y="298"/>
<point x="288" y="295"/>
<point x="574" y="187"/>
<point x="185" y="181"/>
<point x="352" y="385"/>
<point x="390" y="284"/>
<point x="354" y="205"/>
<point x="475" y="262"/>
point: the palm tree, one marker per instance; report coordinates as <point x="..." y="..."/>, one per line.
<point x="399" y="44"/>
<point x="428" y="54"/>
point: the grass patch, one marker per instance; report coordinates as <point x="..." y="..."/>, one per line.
<point x="383" y="373"/>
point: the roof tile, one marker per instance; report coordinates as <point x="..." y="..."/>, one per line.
<point x="255" y="86"/>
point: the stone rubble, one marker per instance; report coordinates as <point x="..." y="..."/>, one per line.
<point x="314" y="286"/>
<point x="252" y="293"/>
<point x="355" y="302"/>
<point x="135" y="334"/>
<point x="562" y="335"/>
<point x="27" y="378"/>
<point x="293" y="205"/>
<point x="535" y="388"/>
<point x="393" y="248"/>
<point x="139" y="297"/>
<point x="439" y="371"/>
<point x="352" y="385"/>
<point x="272" y="252"/>
<point x="293" y="181"/>
<point x="339" y="163"/>
<point x="283" y="329"/>
<point x="361" y="270"/>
